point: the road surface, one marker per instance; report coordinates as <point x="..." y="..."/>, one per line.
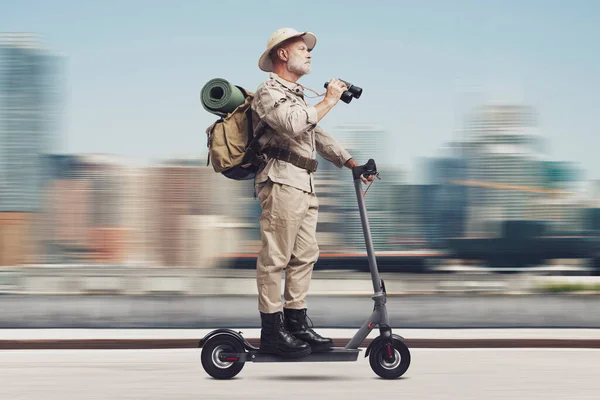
<point x="177" y="374"/>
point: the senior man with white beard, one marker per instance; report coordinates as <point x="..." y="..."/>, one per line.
<point x="285" y="189"/>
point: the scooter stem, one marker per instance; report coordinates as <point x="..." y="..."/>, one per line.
<point x="357" y="172"/>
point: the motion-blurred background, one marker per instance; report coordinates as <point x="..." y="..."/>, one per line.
<point x="482" y="119"/>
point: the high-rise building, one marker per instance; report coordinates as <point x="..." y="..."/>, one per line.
<point x="364" y="142"/>
<point x="561" y="175"/>
<point x="503" y="148"/>
<point x="140" y="214"/>
<point x="445" y="201"/>
<point x="563" y="215"/>
<point x="329" y="187"/>
<point x="193" y="203"/>
<point x="64" y="219"/>
<point x="31" y="98"/>
<point x="15" y="227"/>
<point x="85" y="213"/>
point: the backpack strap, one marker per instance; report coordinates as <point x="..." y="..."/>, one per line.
<point x="251" y="155"/>
<point x="209" y="139"/>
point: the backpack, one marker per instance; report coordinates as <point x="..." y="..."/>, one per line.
<point x="233" y="143"/>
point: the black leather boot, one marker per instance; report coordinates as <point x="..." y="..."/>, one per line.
<point x="295" y="321"/>
<point x="275" y="338"/>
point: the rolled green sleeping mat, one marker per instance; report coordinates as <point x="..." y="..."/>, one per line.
<point x="219" y="96"/>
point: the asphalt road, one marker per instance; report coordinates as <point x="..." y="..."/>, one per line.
<point x="177" y="374"/>
<point x="165" y="311"/>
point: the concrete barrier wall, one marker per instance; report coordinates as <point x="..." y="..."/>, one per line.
<point x="187" y="281"/>
<point x="169" y="311"/>
<point x="222" y="281"/>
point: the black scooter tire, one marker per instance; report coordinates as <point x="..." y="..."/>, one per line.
<point x="394" y="370"/>
<point x="209" y="357"/>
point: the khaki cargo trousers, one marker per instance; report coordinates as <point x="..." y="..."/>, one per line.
<point x="288" y="225"/>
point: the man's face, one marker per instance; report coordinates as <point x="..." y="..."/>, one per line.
<point x="298" y="57"/>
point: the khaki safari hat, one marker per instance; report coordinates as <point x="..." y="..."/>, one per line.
<point x="278" y="37"/>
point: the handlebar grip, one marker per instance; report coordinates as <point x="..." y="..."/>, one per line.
<point x="370" y="165"/>
<point x="370" y="168"/>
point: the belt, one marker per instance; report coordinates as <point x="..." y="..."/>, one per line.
<point x="309" y="164"/>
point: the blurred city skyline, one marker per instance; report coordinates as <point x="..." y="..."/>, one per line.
<point x="102" y="208"/>
<point x="110" y="166"/>
<point x="133" y="83"/>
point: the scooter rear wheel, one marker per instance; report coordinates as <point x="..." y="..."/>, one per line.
<point x="210" y="357"/>
<point x="378" y="358"/>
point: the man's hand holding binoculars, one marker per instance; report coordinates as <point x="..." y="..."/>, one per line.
<point x="335" y="90"/>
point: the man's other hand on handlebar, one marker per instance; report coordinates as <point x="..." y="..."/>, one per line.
<point x="352" y="163"/>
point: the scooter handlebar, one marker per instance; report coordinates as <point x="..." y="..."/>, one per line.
<point x="370" y="168"/>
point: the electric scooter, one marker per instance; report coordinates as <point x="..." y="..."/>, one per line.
<point x="225" y="352"/>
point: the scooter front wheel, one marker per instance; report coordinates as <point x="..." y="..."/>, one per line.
<point x="388" y="368"/>
<point x="211" y="363"/>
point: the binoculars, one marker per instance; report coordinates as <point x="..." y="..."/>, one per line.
<point x="352" y="92"/>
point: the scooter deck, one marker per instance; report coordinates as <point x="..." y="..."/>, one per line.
<point x="336" y="354"/>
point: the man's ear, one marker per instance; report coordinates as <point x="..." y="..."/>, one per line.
<point x="283" y="54"/>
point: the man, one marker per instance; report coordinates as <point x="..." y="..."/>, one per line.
<point x="285" y="188"/>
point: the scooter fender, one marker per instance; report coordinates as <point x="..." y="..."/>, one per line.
<point x="228" y="332"/>
<point x="377" y="340"/>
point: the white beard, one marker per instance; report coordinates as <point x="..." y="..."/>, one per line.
<point x="298" y="66"/>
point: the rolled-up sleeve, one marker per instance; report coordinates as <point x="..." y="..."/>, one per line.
<point x="312" y="115"/>
<point x="330" y="149"/>
<point x="284" y="116"/>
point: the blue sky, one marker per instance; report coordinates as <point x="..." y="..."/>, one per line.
<point x="135" y="68"/>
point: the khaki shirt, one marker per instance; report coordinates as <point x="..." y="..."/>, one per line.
<point x="293" y="122"/>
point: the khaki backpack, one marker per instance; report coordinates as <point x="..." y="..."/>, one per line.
<point x="233" y="142"/>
